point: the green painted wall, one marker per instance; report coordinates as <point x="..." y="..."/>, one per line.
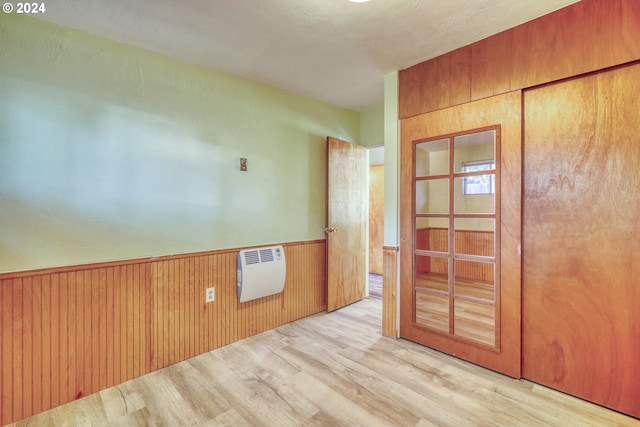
<point x="372" y="127"/>
<point x="391" y="161"/>
<point x="111" y="152"/>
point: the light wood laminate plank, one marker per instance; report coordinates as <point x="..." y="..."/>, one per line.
<point x="326" y="370"/>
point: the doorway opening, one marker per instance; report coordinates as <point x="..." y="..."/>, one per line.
<point x="376" y="221"/>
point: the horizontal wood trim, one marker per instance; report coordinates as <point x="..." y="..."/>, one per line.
<point x="116" y="263"/>
<point x="69" y="333"/>
<point x="72" y="268"/>
<point x="586" y="36"/>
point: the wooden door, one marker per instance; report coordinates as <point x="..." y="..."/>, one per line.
<point x="346" y="223"/>
<point x="376" y="218"/>
<point x="581" y="231"/>
<point x="460" y="260"/>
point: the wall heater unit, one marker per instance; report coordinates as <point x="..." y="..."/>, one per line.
<point x="261" y="272"/>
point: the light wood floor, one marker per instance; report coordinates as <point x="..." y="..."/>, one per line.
<point x="328" y="370"/>
<point x="375" y="286"/>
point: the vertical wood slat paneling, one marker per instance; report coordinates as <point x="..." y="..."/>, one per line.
<point x="85" y="287"/>
<point x="18" y="338"/>
<point x="37" y="344"/>
<point x="94" y="322"/>
<point x="77" y="292"/>
<point x="47" y="346"/>
<point x="180" y="311"/>
<point x="57" y="339"/>
<point x="390" y="292"/>
<point x="64" y="324"/>
<point x="56" y="364"/>
<point x="6" y="355"/>
<point x="75" y="333"/>
<point x="27" y="342"/>
<point x="67" y="333"/>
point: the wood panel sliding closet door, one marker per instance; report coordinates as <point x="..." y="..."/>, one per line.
<point x="581" y="237"/>
<point x="460" y="231"/>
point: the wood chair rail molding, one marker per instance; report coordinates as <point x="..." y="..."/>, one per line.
<point x="142" y="260"/>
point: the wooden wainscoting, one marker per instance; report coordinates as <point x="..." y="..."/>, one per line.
<point x="390" y="292"/>
<point x="72" y="331"/>
<point x="66" y="334"/>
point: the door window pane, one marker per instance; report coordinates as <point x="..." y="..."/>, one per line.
<point x="475" y="321"/>
<point x="474" y="147"/>
<point x="432" y="196"/>
<point x="474" y="279"/>
<point x="474" y="203"/>
<point x="432" y="158"/>
<point x="457" y="189"/>
<point x="432" y="234"/>
<point x="432" y="273"/>
<point x="475" y="236"/>
<point x="478" y="184"/>
<point x="432" y="310"/>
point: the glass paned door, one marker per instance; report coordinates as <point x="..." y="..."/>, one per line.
<point x="456" y="191"/>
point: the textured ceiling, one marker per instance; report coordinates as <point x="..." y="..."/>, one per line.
<point x="332" y="50"/>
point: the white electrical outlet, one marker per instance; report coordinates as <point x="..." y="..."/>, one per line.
<point x="210" y="295"/>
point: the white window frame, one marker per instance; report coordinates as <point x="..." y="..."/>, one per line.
<point x="470" y="186"/>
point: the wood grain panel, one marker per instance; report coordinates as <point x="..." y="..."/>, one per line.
<point x="347" y="176"/>
<point x="491" y="67"/>
<point x="586" y="36"/>
<point x="437" y="83"/>
<point x="459" y="80"/>
<point x="376" y="218"/>
<point x="409" y="92"/>
<point x="581" y="226"/>
<point x="390" y="292"/>
<point x="70" y="332"/>
<point x="432" y="79"/>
